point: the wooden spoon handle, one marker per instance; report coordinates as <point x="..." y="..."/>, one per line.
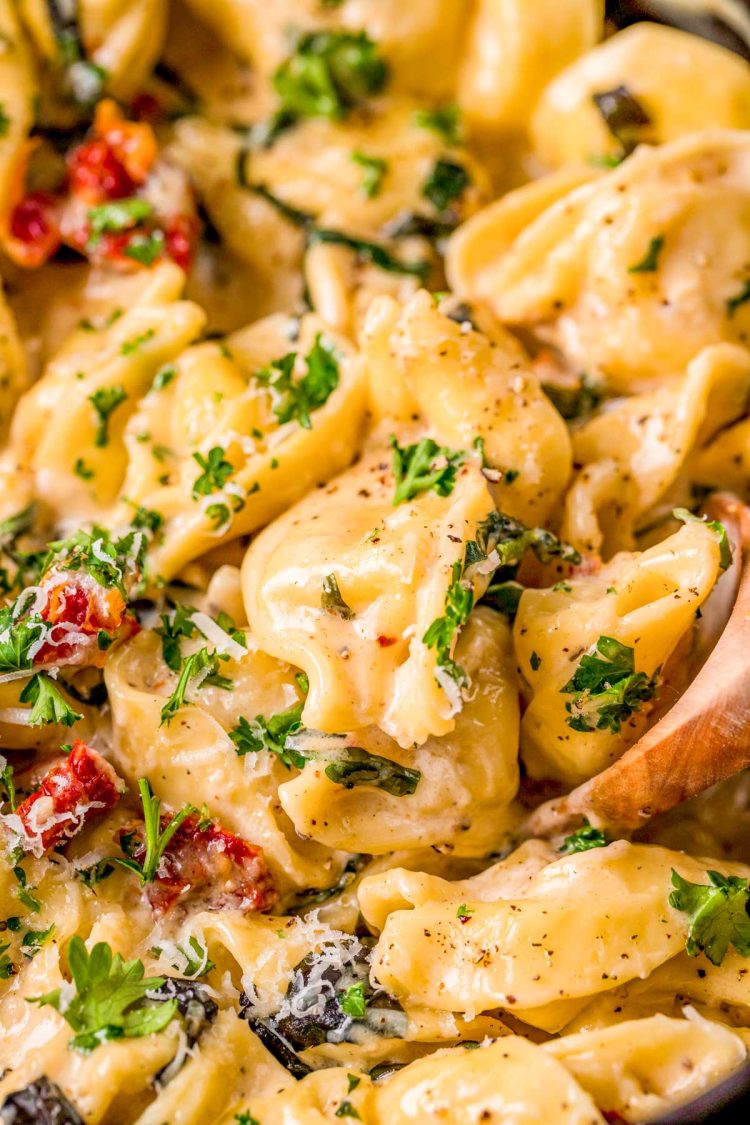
<point x="702" y="739"/>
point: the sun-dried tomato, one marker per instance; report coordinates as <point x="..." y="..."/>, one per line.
<point x="73" y="600"/>
<point x="204" y="861"/>
<point x="71" y="794"/>
<point x="180" y="238"/>
<point x="96" y="174"/>
<point x="33" y="224"/>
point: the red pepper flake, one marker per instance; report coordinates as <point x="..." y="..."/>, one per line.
<point x="71" y="794"/>
<point x="205" y="861"/>
<point x="386" y="642"/>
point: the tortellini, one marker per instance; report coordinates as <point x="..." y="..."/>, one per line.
<point x="584" y="924"/>
<point x="645" y="601"/>
<point x="641" y="455"/>
<point x="512" y="51"/>
<point x="392" y="567"/>
<point x="94" y="46"/>
<point x="567" y="125"/>
<point x="631" y="275"/>
<point x="226" y="440"/>
<point x="467" y="778"/>
<point x="69" y="428"/>
<point x="422" y="364"/>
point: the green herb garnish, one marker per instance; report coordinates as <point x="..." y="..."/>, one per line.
<point x="717" y="913"/>
<point x="606" y="689"/>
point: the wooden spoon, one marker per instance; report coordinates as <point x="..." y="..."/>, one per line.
<point x="702" y="739"/>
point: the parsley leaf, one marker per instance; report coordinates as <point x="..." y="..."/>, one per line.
<point x="352" y="1000"/>
<point x="249" y="737"/>
<point x="424" y="466"/>
<point x="81" y="469"/>
<point x="112" y="562"/>
<point x="174" y="626"/>
<point x="7" y="968"/>
<point x="49" y="704"/>
<point x="606" y="689"/>
<point x="374" y="169"/>
<point x="147" y="519"/>
<point x="118" y="215"/>
<point x="202" y="666"/>
<point x="105" y="401"/>
<point x="110" y="1001"/>
<point x="577" y="401"/>
<point x="216" y="472"/>
<point x="156" y="839"/>
<point x="649" y="263"/>
<point x="145" y="248"/>
<point x="332" y="601"/>
<point x="444" y="120"/>
<point x="725" y="547"/>
<point x="17" y="637"/>
<point x="298" y="399"/>
<point x="446" y="182"/>
<point x="464" y="912"/>
<point x="33" y="940"/>
<point x="8" y="782"/>
<point x="583" y="839"/>
<point x="459" y="602"/>
<point x="346" y="1109"/>
<point x="329" y="73"/>
<point x="717" y="913"/>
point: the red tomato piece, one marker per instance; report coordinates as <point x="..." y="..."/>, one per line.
<point x="96" y="174"/>
<point x="71" y="794"/>
<point x="205" y="861"/>
<point x="33" y="224"/>
<point x="181" y="237"/>
<point x="75" y="600"/>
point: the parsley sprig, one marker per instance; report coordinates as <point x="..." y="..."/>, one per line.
<point x="424" y="466"/>
<point x="156" y="839"/>
<point x="252" y="736"/>
<point x="717" y="914"/>
<point x="606" y="689"/>
<point x="717" y="527"/>
<point x="202" y="666"/>
<point x="459" y="602"/>
<point x="111" y="1000"/>
<point x="49" y="705"/>
<point x="298" y="399"/>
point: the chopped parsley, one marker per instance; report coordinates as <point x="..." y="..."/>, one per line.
<point x="219" y="514"/>
<point x="111" y="998"/>
<point x="156" y="839"/>
<point x="464" y="912"/>
<point x="117" y="215"/>
<point x="164" y="376"/>
<point x="649" y="263"/>
<point x="110" y="561"/>
<point x="81" y="469"/>
<point x="332" y="601"/>
<point x="444" y="120"/>
<point x="7" y="968"/>
<point x="346" y="1109"/>
<point x="717" y="527"/>
<point x="147" y="519"/>
<point x="353" y="1001"/>
<point x="133" y="345"/>
<point x="445" y="184"/>
<point x="739" y="299"/>
<point x="577" y="401"/>
<point x="535" y="661"/>
<point x="298" y="399"/>
<point x="717" y="914"/>
<point x="583" y="839"/>
<point x="329" y="74"/>
<point x="145" y="248"/>
<point x="4" y="121"/>
<point x="250" y="737"/>
<point x="374" y="169"/>
<point x="606" y="689"/>
<point x="459" y="602"/>
<point x="105" y="401"/>
<point x="49" y="704"/>
<point x="33" y="940"/>
<point x="216" y="472"/>
<point x="422" y="467"/>
<point x="201" y="666"/>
